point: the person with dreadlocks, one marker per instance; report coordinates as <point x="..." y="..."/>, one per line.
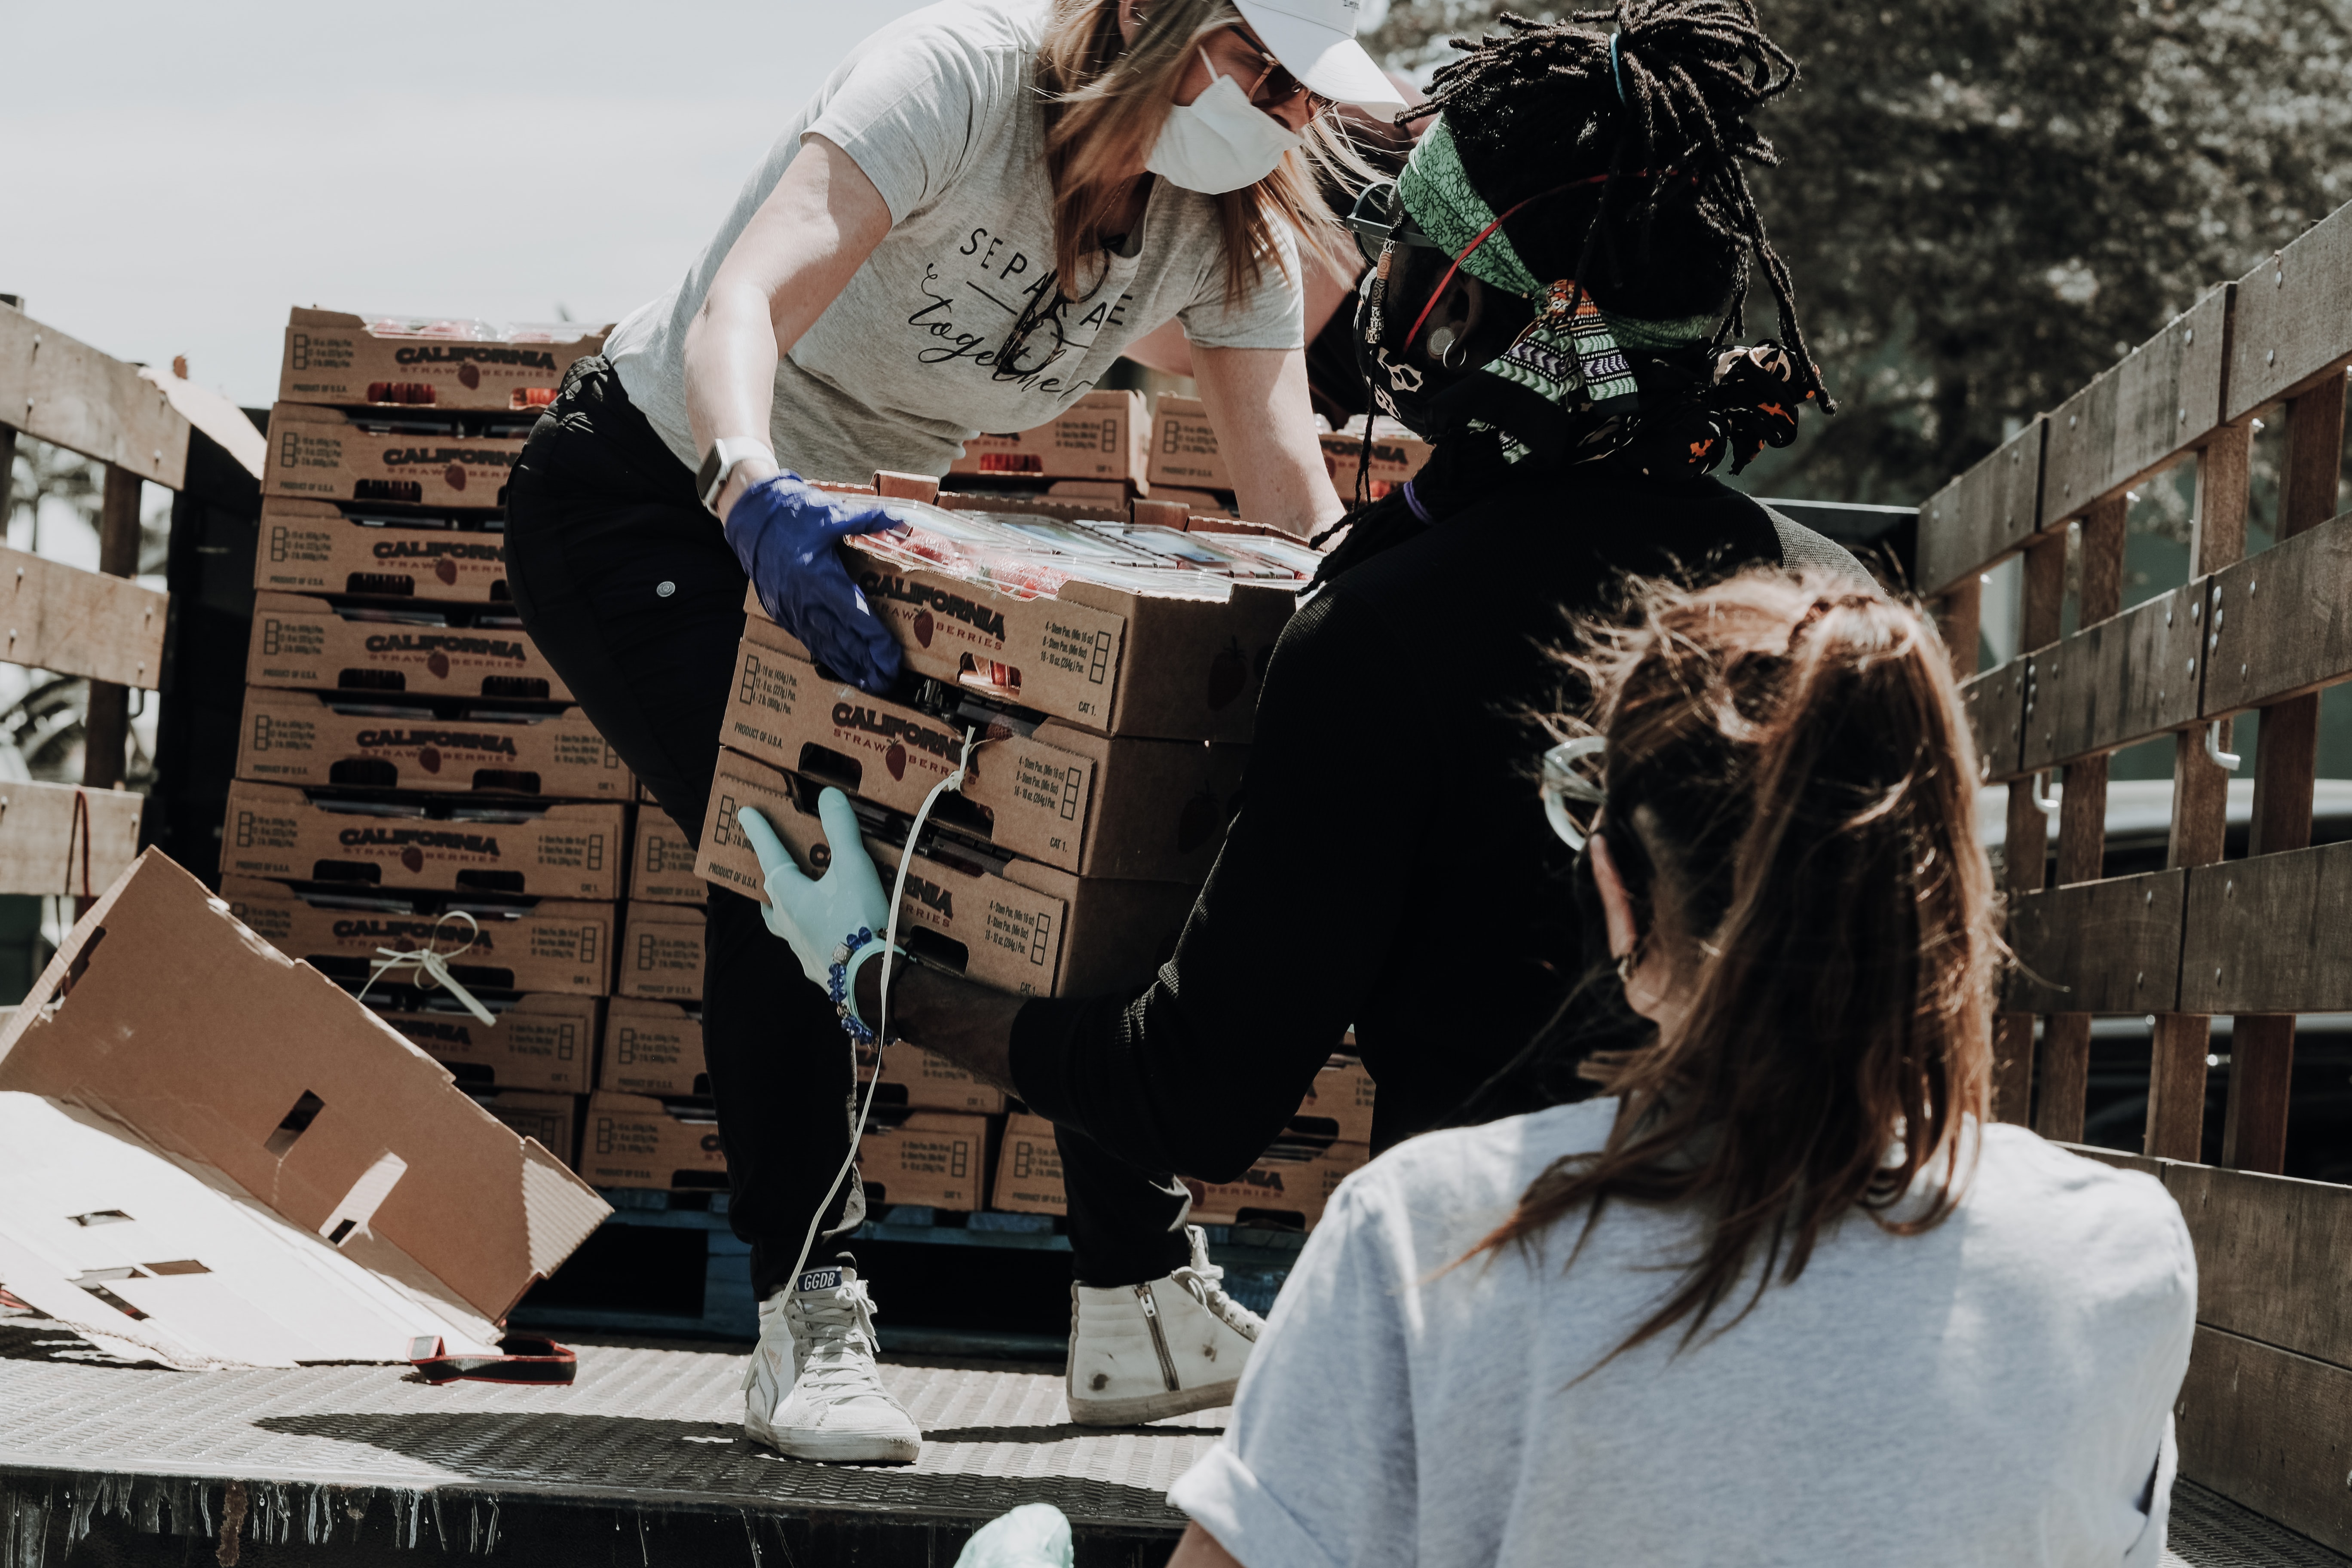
<point x="1561" y="263"/>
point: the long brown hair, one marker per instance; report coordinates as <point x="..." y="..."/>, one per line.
<point x="1790" y="799"/>
<point x="1106" y="101"/>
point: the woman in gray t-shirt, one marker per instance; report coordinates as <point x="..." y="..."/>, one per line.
<point x="986" y="202"/>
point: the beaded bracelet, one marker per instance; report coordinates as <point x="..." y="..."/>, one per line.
<point x="841" y="980"/>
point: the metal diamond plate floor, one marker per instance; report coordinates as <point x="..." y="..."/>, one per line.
<point x="650" y="1428"/>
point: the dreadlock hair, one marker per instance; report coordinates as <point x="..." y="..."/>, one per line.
<point x="1666" y="234"/>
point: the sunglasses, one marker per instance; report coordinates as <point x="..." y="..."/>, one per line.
<point x="1572" y="788"/>
<point x="1379" y="217"/>
<point x="1274" y="86"/>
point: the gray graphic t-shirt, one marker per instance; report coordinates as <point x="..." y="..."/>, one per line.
<point x="941" y="111"/>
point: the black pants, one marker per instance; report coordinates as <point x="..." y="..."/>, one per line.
<point x="630" y="590"/>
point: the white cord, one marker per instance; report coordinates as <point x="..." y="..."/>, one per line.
<point x="954" y="781"/>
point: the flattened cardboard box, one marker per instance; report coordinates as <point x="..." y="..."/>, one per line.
<point x="333" y="358"/>
<point x="1339" y="1103"/>
<point x="661" y="868"/>
<point x="567" y="851"/>
<point x="924" y="1080"/>
<point x="300" y="738"/>
<point x="1297" y="1186"/>
<point x="1102" y="435"/>
<point x="544" y="1044"/>
<point x="653" y="1047"/>
<point x="550" y="1118"/>
<point x="1099" y="806"/>
<point x="1028" y="929"/>
<point x="1111" y="660"/>
<point x="661" y="953"/>
<point x="329" y="455"/>
<point x="167" y="1014"/>
<point x="309" y="645"/>
<point x="636" y="1141"/>
<point x="1029" y="1168"/>
<point x="933" y="1157"/>
<point x="310" y="547"/>
<point x="553" y="946"/>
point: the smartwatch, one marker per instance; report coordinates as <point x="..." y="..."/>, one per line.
<point x="725" y="453"/>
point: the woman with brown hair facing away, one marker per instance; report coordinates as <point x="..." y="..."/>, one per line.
<point x="962" y="231"/>
<point x="1783" y="1294"/>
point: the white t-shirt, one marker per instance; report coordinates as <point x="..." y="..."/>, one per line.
<point x="940" y="109"/>
<point x="1995" y="1391"/>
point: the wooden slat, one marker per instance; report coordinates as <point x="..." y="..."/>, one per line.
<point x="2127" y="679"/>
<point x="2100" y="947"/>
<point x="2292" y="318"/>
<point x="59" y="389"/>
<point x="1995" y="705"/>
<point x="1957" y="616"/>
<point x="2285" y="622"/>
<point x="72" y="622"/>
<point x="2272" y="1430"/>
<point x="2162" y="399"/>
<point x="1981" y="516"/>
<point x="41" y="847"/>
<point x="106" y="720"/>
<point x="2272" y="934"/>
<point x="2272" y="1254"/>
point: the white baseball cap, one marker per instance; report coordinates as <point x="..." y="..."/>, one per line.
<point x="1315" y="42"/>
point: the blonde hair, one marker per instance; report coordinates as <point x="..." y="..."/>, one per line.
<point x="1106" y="101"/>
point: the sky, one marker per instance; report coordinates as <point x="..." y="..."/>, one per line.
<point x="179" y="175"/>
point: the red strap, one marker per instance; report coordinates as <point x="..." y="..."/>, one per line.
<point x="525" y="1359"/>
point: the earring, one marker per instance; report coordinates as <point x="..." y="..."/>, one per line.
<point x="1625" y="962"/>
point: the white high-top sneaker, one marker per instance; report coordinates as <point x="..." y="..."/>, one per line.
<point x="811" y="1390"/>
<point x="1166" y="1347"/>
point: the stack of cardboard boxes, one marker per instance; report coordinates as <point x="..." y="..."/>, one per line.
<point x="411" y="773"/>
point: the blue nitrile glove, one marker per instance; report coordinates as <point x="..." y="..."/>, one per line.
<point x="1034" y="1535"/>
<point x="817" y="916"/>
<point x="783" y="530"/>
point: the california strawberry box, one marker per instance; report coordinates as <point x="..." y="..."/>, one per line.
<point x="1010" y="923"/>
<point x="551" y="945"/>
<point x="1127" y="630"/>
<point x="402" y="460"/>
<point x="325" y="547"/>
<point x="1041" y="787"/>
<point x="538" y="1042"/>
<point x="316" y="738"/>
<point x="429" y="842"/>
<point x="320" y="644"/>
<point x="442" y="362"/>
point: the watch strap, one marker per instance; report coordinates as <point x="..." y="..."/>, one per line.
<point x="724" y="454"/>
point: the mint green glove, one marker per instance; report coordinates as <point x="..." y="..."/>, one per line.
<point x="818" y="915"/>
<point x="1034" y="1535"/>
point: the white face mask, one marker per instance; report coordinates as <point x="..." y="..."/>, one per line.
<point x="1219" y="142"/>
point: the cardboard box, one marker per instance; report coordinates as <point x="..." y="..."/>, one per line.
<point x="1100" y="437"/>
<point x="1184" y="446"/>
<point x="1119" y="662"/>
<point x="326" y="454"/>
<point x="636" y="1141"/>
<point x="1029" y="1169"/>
<point x="546" y="1043"/>
<point x="550" y="1118"/>
<point x="309" y="645"/>
<point x="1397" y="456"/>
<point x="1289" y="1187"/>
<point x="934" y="1158"/>
<point x="550" y="946"/>
<point x="315" y="547"/>
<point x="173" y="1019"/>
<point x="1339" y="1103"/>
<point x="661" y="953"/>
<point x="312" y="739"/>
<point x="661" y="868"/>
<point x="1011" y="924"/>
<point x="653" y="1047"/>
<point x="918" y="1080"/>
<point x="567" y="851"/>
<point x="1097" y="804"/>
<point x="336" y="358"/>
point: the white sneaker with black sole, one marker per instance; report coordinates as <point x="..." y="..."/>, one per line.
<point x="1166" y="1347"/>
<point x="812" y="1391"/>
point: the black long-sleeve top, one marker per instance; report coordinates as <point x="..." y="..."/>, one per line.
<point x="1391" y="866"/>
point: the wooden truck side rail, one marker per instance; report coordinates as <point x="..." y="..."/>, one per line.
<point x="2266" y="1417"/>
